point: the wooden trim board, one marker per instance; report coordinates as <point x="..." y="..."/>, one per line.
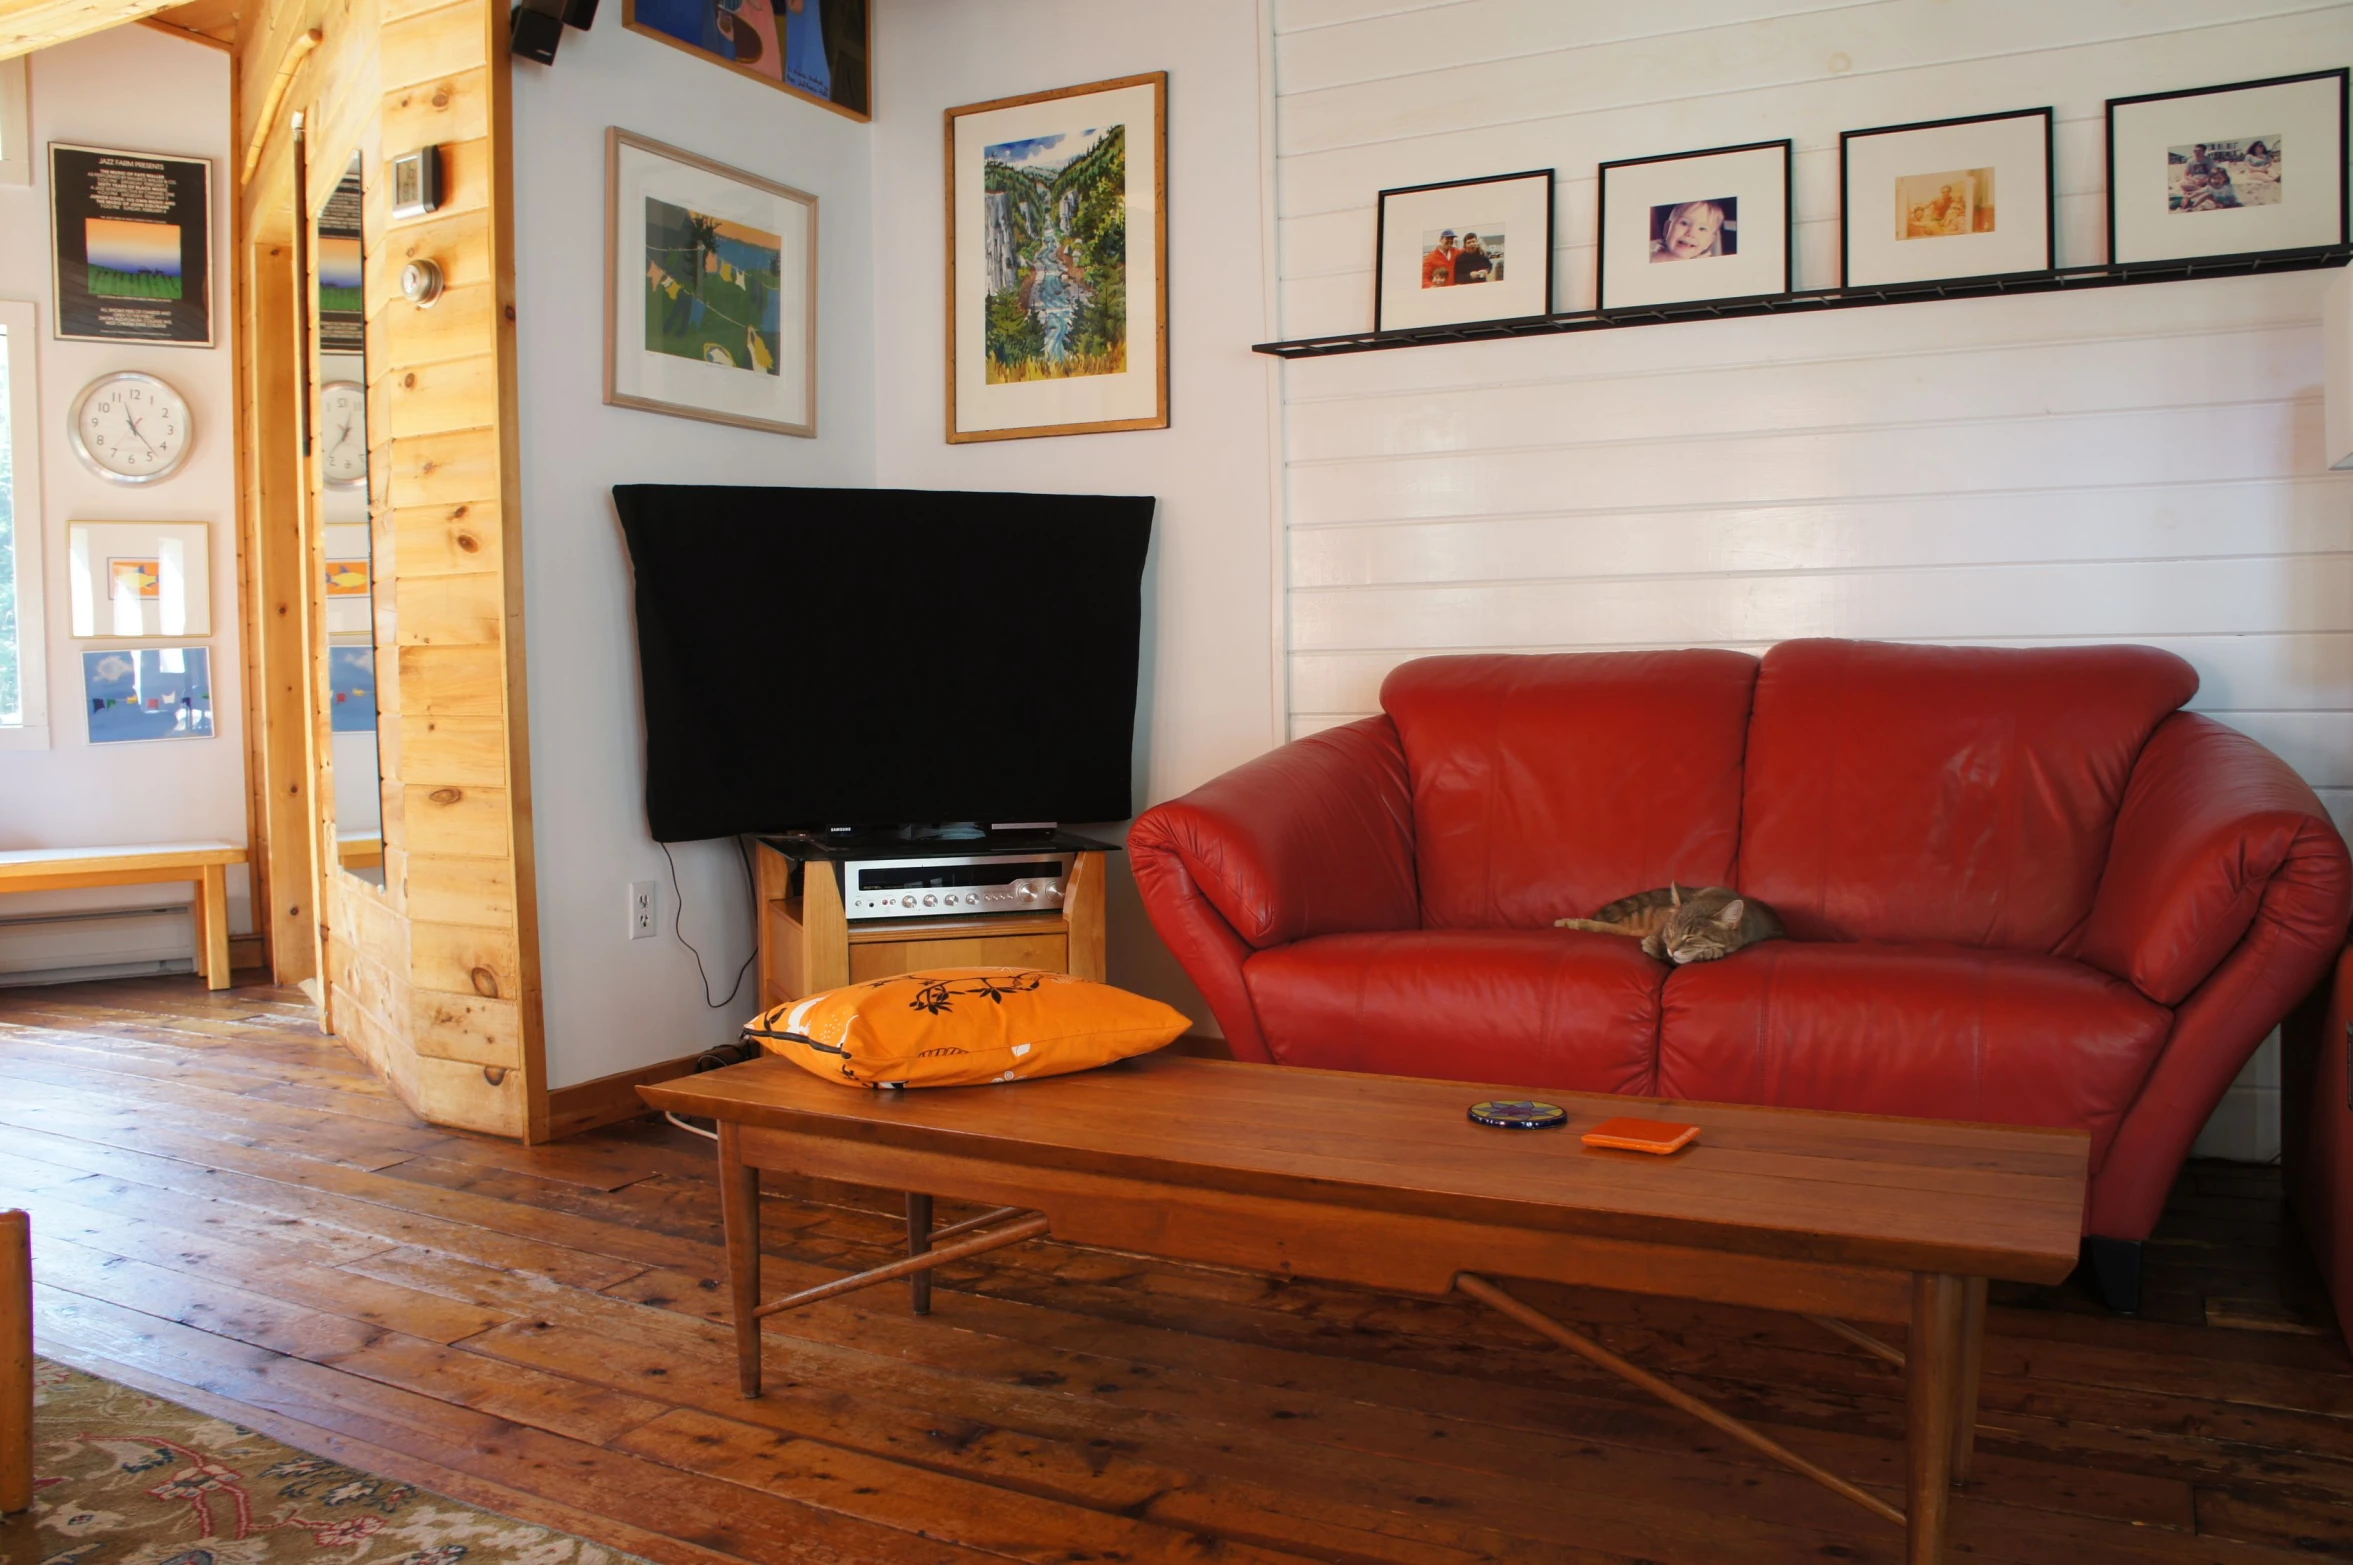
<point x="608" y="1100"/>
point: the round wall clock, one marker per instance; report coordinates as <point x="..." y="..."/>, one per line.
<point x="131" y="428"/>
<point x="343" y="433"/>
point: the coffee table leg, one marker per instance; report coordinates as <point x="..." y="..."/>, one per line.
<point x="1972" y="1365"/>
<point x="739" y="1214"/>
<point x="919" y="1243"/>
<point x="1932" y="1372"/>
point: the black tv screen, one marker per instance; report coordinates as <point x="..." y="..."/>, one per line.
<point x="815" y="658"/>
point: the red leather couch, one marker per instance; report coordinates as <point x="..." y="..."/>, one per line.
<point x="2021" y="885"/>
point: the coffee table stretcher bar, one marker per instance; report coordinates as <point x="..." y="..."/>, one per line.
<point x="1946" y="1311"/>
<point x="1938" y="1295"/>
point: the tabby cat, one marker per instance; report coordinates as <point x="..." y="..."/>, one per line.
<point x="1705" y="926"/>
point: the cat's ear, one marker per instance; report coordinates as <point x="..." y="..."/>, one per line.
<point x="1674" y="895"/>
<point x="1730" y="917"/>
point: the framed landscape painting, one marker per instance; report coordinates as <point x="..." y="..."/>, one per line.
<point x="710" y="290"/>
<point x="822" y="50"/>
<point x="1058" y="262"/>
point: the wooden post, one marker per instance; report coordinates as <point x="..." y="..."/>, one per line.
<point x="1972" y="1366"/>
<point x="1932" y="1371"/>
<point x="1082" y="912"/>
<point x="215" y="896"/>
<point x="919" y="1242"/>
<point x="16" y="1361"/>
<point x="739" y="1216"/>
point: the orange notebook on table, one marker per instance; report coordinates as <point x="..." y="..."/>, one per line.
<point x="1641" y="1135"/>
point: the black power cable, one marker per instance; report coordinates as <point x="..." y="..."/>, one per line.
<point x="678" y="926"/>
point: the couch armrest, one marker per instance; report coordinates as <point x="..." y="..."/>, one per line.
<point x="2215" y="833"/>
<point x="1315" y="838"/>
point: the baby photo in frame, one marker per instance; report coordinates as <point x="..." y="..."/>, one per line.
<point x="1968" y="197"/>
<point x="1464" y="250"/>
<point x="1688" y="227"/>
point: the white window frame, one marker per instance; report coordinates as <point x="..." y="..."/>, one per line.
<point x="16" y="123"/>
<point x="24" y="427"/>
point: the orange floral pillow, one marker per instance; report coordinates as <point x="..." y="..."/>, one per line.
<point x="960" y="1026"/>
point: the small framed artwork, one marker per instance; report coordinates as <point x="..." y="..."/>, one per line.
<point x="351" y="688"/>
<point x="139" y="580"/>
<point x="132" y="240"/>
<point x="2233" y="170"/>
<point x="1695" y="226"/>
<point x="710" y="290"/>
<point x="822" y="50"/>
<point x="1466" y="250"/>
<point x="1945" y="199"/>
<point x="148" y="693"/>
<point x="1058" y="262"/>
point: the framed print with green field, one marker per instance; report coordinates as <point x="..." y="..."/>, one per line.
<point x="710" y="290"/>
<point x="131" y="236"/>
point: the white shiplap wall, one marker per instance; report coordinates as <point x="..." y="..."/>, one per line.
<point x="2132" y="464"/>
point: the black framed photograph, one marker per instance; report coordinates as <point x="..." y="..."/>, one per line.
<point x="132" y="233"/>
<point x="1944" y="199"/>
<point x="2232" y="170"/>
<point x="1464" y="250"/>
<point x="1689" y="227"/>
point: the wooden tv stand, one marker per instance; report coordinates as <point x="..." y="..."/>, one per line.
<point x="808" y="944"/>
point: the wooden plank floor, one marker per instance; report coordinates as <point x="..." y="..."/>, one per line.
<point x="231" y="1212"/>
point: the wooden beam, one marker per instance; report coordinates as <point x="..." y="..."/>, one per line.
<point x="27" y="25"/>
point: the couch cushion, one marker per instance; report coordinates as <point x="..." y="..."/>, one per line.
<point x="1943" y="793"/>
<point x="1935" y="1031"/>
<point x="1531" y="1008"/>
<point x="1545" y="787"/>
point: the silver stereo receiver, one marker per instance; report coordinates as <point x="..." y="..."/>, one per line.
<point x="954" y="887"/>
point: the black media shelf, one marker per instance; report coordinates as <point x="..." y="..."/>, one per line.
<point x="2066" y="279"/>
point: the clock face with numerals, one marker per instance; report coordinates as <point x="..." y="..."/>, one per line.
<point x="131" y="428"/>
<point x="343" y="433"/>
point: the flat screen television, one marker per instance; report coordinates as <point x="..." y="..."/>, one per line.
<point x="818" y="658"/>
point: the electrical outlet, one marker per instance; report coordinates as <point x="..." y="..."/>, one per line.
<point x="641" y="910"/>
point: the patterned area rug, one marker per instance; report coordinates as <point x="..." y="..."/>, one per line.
<point x="122" y="1478"/>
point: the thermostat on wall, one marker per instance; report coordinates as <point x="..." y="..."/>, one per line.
<point x="416" y="182"/>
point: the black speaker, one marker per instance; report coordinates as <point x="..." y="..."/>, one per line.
<point x="537" y="28"/>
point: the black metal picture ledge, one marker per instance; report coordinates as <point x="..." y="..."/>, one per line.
<point x="2065" y="279"/>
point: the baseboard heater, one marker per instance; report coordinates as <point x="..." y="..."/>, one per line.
<point x="71" y="947"/>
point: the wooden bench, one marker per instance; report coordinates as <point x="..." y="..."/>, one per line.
<point x="206" y="864"/>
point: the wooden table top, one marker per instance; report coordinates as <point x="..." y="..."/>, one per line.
<point x="1909" y="1194"/>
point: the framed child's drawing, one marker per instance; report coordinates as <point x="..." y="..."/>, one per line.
<point x="1058" y="262"/>
<point x="139" y="580"/>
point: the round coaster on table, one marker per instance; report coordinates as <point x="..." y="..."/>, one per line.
<point x="1519" y="1114"/>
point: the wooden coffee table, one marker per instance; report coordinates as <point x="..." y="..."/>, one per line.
<point x="1382" y="1181"/>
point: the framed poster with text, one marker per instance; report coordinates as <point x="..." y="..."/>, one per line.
<point x="132" y="233"/>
